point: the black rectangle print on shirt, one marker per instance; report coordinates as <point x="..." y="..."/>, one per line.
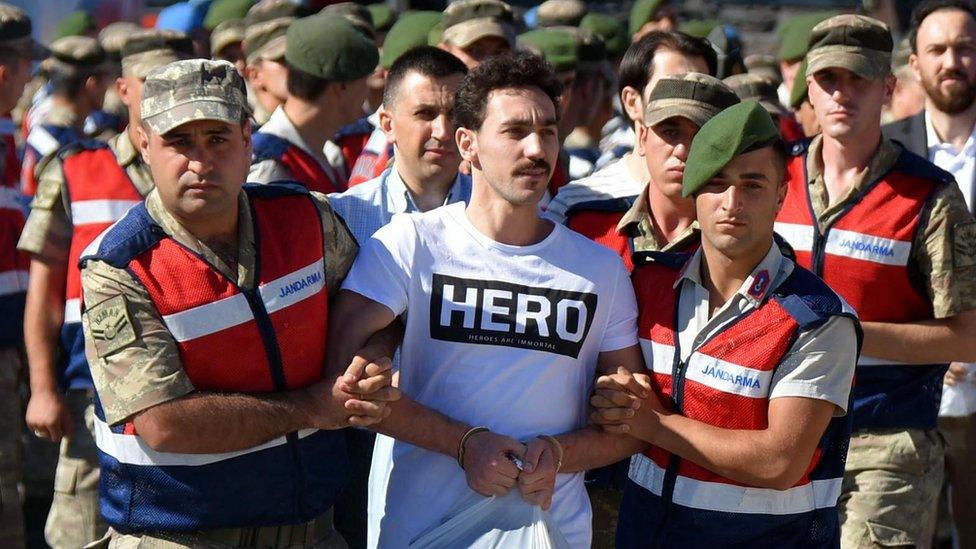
<point x="490" y="312"/>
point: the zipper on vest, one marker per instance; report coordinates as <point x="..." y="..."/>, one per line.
<point x="270" y="340"/>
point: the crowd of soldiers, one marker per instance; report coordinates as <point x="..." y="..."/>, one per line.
<point x="672" y="294"/>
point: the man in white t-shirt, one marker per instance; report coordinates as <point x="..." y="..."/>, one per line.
<point x="508" y="317"/>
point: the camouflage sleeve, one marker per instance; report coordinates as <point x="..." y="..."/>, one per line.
<point x="47" y="233"/>
<point x="945" y="252"/>
<point x="133" y="358"/>
<point x="340" y="244"/>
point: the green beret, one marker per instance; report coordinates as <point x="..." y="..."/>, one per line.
<point x="699" y="28"/>
<point x="410" y="31"/>
<point x="223" y="10"/>
<point x="642" y="12"/>
<point x="738" y="129"/>
<point x="610" y="29"/>
<point x="558" y="47"/>
<point x="799" y="92"/>
<point x="383" y="16"/>
<point x="436" y="34"/>
<point x="330" y="48"/>
<point x="857" y="43"/>
<point x="77" y="23"/>
<point x="794" y="34"/>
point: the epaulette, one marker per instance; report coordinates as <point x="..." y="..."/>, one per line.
<point x="799" y="147"/>
<point x="81" y="145"/>
<point x="265" y="146"/>
<point x="914" y="165"/>
<point x="276" y="189"/>
<point x="359" y="127"/>
<point x="607" y="205"/>
<point x="671" y="260"/>
<point x="129" y="237"/>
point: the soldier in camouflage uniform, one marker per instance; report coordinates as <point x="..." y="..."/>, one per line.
<point x="17" y="50"/>
<point x="264" y="53"/>
<point x="240" y="453"/>
<point x="61" y="406"/>
<point x="890" y="232"/>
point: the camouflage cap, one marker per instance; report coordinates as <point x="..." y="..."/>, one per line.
<point x="559" y="47"/>
<point x="610" y="29"/>
<point x="148" y="49"/>
<point x="794" y="34"/>
<point x="15" y="33"/>
<point x="857" y="43"/>
<point x="226" y="33"/>
<point x="736" y="130"/>
<point x="76" y="23"/>
<point x="691" y="95"/>
<point x="266" y="40"/>
<point x="467" y="21"/>
<point x="902" y="53"/>
<point x="269" y="10"/>
<point x="799" y="92"/>
<point x="755" y="87"/>
<point x="410" y="31"/>
<point x="359" y="16"/>
<point x="556" y="13"/>
<point x="764" y="65"/>
<point x="330" y="48"/>
<point x="225" y="10"/>
<point x="114" y="36"/>
<point x="190" y="90"/>
<point x="76" y="54"/>
<point x="383" y="16"/>
<point x="643" y="12"/>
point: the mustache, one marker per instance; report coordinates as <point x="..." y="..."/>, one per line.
<point x="533" y="165"/>
<point x="954" y="73"/>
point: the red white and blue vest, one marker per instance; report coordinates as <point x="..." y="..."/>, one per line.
<point x="14" y="266"/>
<point x="43" y="139"/>
<point x="864" y="255"/>
<point x="726" y="383"/>
<point x="304" y="168"/>
<point x="99" y="193"/>
<point x="598" y="220"/>
<point x="230" y="340"/>
<point x="372" y="160"/>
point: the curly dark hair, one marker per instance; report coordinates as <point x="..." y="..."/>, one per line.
<point x="516" y="69"/>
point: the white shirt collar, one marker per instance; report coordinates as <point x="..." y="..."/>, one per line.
<point x="756" y="287"/>
<point x="401" y="199"/>
<point x="932" y="138"/>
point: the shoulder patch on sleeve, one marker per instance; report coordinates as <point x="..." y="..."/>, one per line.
<point x="110" y="326"/>
<point x="964" y="244"/>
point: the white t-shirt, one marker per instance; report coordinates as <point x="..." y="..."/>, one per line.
<point x="496" y="335"/>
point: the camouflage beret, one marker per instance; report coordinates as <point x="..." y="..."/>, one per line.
<point x="697" y="97"/>
<point x="76" y="23"/>
<point x="15" y="33"/>
<point x="359" y="16"/>
<point x="269" y="10"/>
<point x="857" y="43"/>
<point x="610" y="29"/>
<point x="225" y="10"/>
<point x="190" y="90"/>
<point x="794" y="34"/>
<point x="114" y="36"/>
<point x="76" y="54"/>
<point x="266" y="40"/>
<point x="559" y="47"/>
<point x="383" y="16"/>
<point x="226" y="33"/>
<point x="755" y="87"/>
<point x="556" y="13"/>
<point x="330" y="48"/>
<point x="766" y="66"/>
<point x="739" y="129"/>
<point x="148" y="49"/>
<point x="410" y="31"/>
<point x="467" y="21"/>
<point x="643" y="12"/>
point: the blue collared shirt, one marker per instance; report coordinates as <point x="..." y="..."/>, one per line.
<point x="371" y="205"/>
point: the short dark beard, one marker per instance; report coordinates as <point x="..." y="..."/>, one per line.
<point x="954" y="103"/>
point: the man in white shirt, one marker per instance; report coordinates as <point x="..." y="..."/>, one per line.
<point x="943" y="39"/>
<point x="509" y="318"/>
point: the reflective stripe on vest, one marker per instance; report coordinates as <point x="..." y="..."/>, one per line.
<point x="14" y="266"/>
<point x="373" y="160"/>
<point x="726" y="383"/>
<point x="99" y="193"/>
<point x="864" y="256"/>
<point x="230" y="340"/>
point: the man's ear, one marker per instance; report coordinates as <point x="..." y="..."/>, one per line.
<point x="641" y="136"/>
<point x="246" y="133"/>
<point x="467" y="144"/>
<point x="386" y="124"/>
<point x="122" y="89"/>
<point x="143" y="138"/>
<point x="633" y="103"/>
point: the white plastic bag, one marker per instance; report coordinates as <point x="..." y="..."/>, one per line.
<point x="494" y="523"/>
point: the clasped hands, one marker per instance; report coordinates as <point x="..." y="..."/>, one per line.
<point x="491" y="471"/>
<point x="624" y="403"/>
<point x="360" y="397"/>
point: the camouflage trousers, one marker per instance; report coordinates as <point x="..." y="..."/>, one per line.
<point x="960" y="435"/>
<point x="317" y="534"/>
<point x="74" y="519"/>
<point x="891" y="488"/>
<point x="11" y="450"/>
